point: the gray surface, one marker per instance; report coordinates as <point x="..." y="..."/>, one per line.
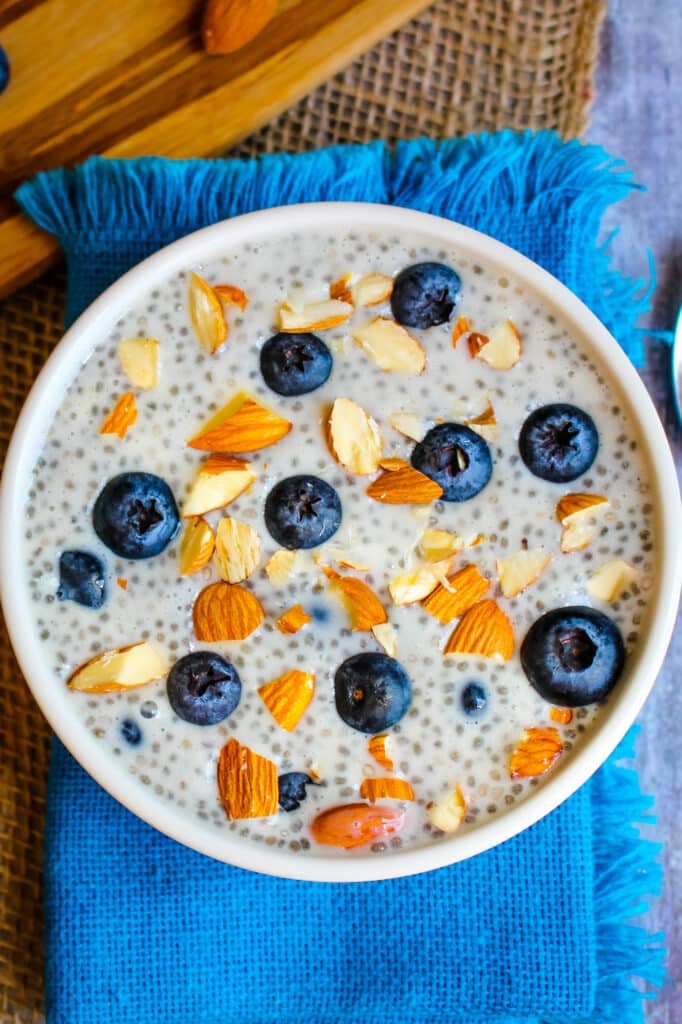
<point x="637" y="116"/>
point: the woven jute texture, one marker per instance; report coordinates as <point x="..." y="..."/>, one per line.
<point x="462" y="66"/>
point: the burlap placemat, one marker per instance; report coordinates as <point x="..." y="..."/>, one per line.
<point x="462" y="66"/>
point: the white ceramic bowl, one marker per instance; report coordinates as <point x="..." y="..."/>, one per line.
<point x="642" y="666"/>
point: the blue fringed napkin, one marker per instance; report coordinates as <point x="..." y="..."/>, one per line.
<point x="141" y="930"/>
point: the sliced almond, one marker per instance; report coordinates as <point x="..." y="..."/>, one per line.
<point x="363" y="606"/>
<point x="354" y="437"/>
<point x="416" y="584"/>
<point x="226" y="611"/>
<point x="391" y="346"/>
<point x="122" y="416"/>
<point x="447" y="813"/>
<point x="230" y="295"/>
<point x="280" y="566"/>
<point x="391" y="463"/>
<point x="237" y="550"/>
<point x="139" y="358"/>
<point x="243" y="425"/>
<point x="535" y="753"/>
<point x="404" y="486"/>
<point x="346" y="559"/>
<point x="460" y="593"/>
<point x="517" y="572"/>
<point x="196" y="547"/>
<point x="462" y="326"/>
<point x="121" y="669"/>
<point x="288" y="696"/>
<point x="341" y="289"/>
<point x="484" y="631"/>
<point x="502" y="350"/>
<point x="373" y="789"/>
<point x="485" y="423"/>
<point x="408" y="424"/>
<point x="219" y="481"/>
<point x="476" y="341"/>
<point x="378" y="748"/>
<point x="247" y="783"/>
<point x="314" y="316"/>
<point x="293" y="619"/>
<point x="561" y="715"/>
<point x="437" y="545"/>
<point x="206" y="314"/>
<point x="372" y="289"/>
<point x="385" y="634"/>
<point x="609" y="582"/>
<point x="577" y="513"/>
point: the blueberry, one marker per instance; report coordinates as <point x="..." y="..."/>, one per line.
<point x="558" y="442"/>
<point x="473" y="699"/>
<point x="4" y="69"/>
<point x="302" y="512"/>
<point x="372" y="692"/>
<point x="294" y="364"/>
<point x="131" y="732"/>
<point x="573" y="656"/>
<point x="292" y="790"/>
<point x="81" y="579"/>
<point x="425" y="294"/>
<point x="455" y="457"/>
<point x="135" y="515"/>
<point x="203" y="688"/>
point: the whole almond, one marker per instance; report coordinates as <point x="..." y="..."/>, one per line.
<point x="351" y="825"/>
<point x="226" y="611"/>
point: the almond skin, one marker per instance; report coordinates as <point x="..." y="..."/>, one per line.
<point x="220" y="480"/>
<point x="196" y="547"/>
<point x="362" y="604"/>
<point x="462" y="327"/>
<point x="377" y="747"/>
<point x="243" y="425"/>
<point x="120" y="669"/>
<point x="352" y="825"/>
<point x="230" y="295"/>
<point x="288" y="696"/>
<point x="293" y="620"/>
<point x="230" y="24"/>
<point x="536" y="753"/>
<point x="465" y="588"/>
<point x="226" y="611"/>
<point x="317" y="316"/>
<point x="206" y="315"/>
<point x="485" y="631"/>
<point x="247" y="782"/>
<point x="561" y="715"/>
<point x="404" y="486"/>
<point x="237" y="550"/>
<point x="122" y="416"/>
<point x="386" y="789"/>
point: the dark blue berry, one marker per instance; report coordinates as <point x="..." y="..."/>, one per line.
<point x="455" y="457"/>
<point x="81" y="579"/>
<point x="302" y="512"/>
<point x="319" y="613"/>
<point x="135" y="515"/>
<point x="203" y="688"/>
<point x="4" y="69"/>
<point x="292" y="791"/>
<point x="372" y="692"/>
<point x="425" y="294"/>
<point x="294" y="364"/>
<point x="573" y="656"/>
<point x="558" y="442"/>
<point x="473" y="700"/>
<point x="131" y="732"/>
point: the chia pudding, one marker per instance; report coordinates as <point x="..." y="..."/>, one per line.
<point x="474" y="708"/>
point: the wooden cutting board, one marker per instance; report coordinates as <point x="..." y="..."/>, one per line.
<point x="129" y="78"/>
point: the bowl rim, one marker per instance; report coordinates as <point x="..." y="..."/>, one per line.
<point x="192" y="250"/>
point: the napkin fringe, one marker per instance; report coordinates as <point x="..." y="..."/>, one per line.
<point x="508" y="182"/>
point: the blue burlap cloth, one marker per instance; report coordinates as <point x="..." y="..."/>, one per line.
<point x="141" y="930"/>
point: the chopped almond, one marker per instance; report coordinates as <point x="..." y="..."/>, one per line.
<point x="386" y="789"/>
<point x="280" y="566"/>
<point x="293" y="620"/>
<point x="485" y="424"/>
<point x="535" y="753"/>
<point x="377" y="747"/>
<point x="437" y="545"/>
<point x="341" y="289"/>
<point x="447" y="814"/>
<point x="609" y="582"/>
<point x="315" y="316"/>
<point x="237" y="550"/>
<point x="354" y="437"/>
<point x="391" y="346"/>
<point x="122" y="583"/>
<point x="196" y="547"/>
<point x="462" y="327"/>
<point x="287" y="697"/>
<point x="230" y="295"/>
<point x="372" y="289"/>
<point x="484" y="631"/>
<point x="247" y="782"/>
<point x="476" y="342"/>
<point x="392" y="464"/>
<point x="226" y="611"/>
<point x="243" y="425"/>
<point x="404" y="486"/>
<point x="561" y="715"/>
<point x="416" y="584"/>
<point x="206" y="314"/>
<point x="121" y="669"/>
<point x="517" y="572"/>
<point x="219" y="481"/>
<point x="346" y="559"/>
<point x="122" y="416"/>
<point x="457" y="595"/>
<point x="363" y="606"/>
<point x="385" y="634"/>
<point x="408" y="424"/>
<point x="577" y="513"/>
<point x="139" y="359"/>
